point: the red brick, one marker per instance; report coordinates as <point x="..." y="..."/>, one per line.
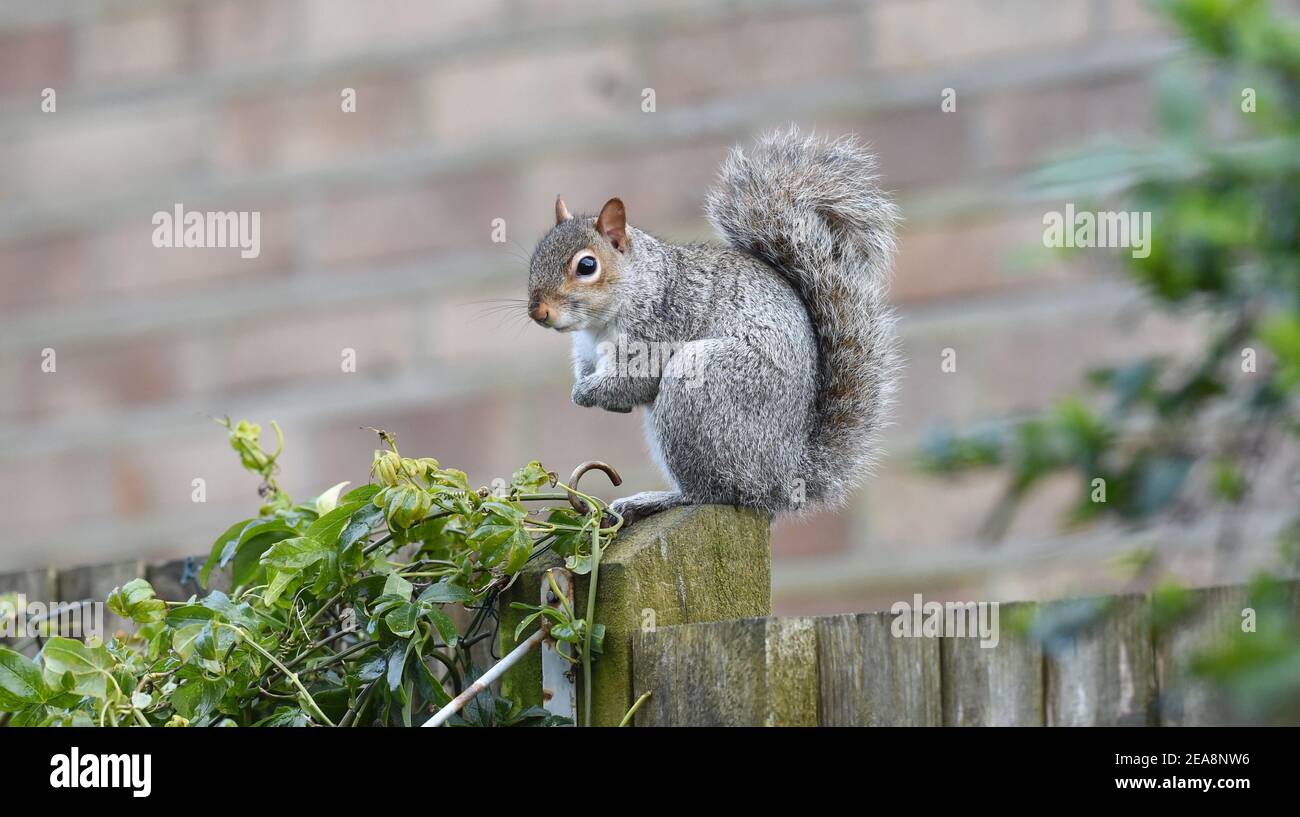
<point x="40" y="270"/>
<point x="238" y="34"/>
<point x="292" y="348"/>
<point x="157" y="478"/>
<point x="825" y="604"/>
<point x="917" y="33"/>
<point x="45" y="493"/>
<point x="553" y="11"/>
<point x="141" y="45"/>
<point x="91" y="378"/>
<point x="309" y="129"/>
<point x="491" y="97"/>
<point x="34" y="59"/>
<point x="543" y="423"/>
<point x="750" y="53"/>
<point x="663" y="189"/>
<point x="913" y="511"/>
<point x="920" y="512"/>
<point x="83" y="154"/>
<point x="332" y="29"/>
<point x="1135" y="17"/>
<point x="391" y="223"/>
<point x="482" y="328"/>
<point x="915" y="146"/>
<point x="466" y="435"/>
<point x="1022" y="360"/>
<point x="964" y="258"/>
<point x="1028" y="127"/>
<point x="815" y="535"/>
<point x="10" y="382"/>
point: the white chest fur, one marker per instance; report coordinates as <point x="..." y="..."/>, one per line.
<point x="593" y="350"/>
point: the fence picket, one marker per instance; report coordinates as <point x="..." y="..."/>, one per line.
<point x="95" y="582"/>
<point x="1105" y="674"/>
<point x="993" y="686"/>
<point x="871" y="678"/>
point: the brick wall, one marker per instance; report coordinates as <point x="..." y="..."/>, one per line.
<point x="376" y="236"/>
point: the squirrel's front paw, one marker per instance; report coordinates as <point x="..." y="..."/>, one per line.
<point x="587" y="392"/>
<point x="584" y="393"/>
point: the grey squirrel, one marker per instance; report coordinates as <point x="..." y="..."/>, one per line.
<point x="780" y="357"/>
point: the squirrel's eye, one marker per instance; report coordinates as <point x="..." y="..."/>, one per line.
<point x="587" y="266"/>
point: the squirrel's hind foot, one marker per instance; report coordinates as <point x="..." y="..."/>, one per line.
<point x="639" y="506"/>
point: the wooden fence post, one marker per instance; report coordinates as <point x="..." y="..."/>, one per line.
<point x="699" y="563"/>
<point x="756" y="672"/>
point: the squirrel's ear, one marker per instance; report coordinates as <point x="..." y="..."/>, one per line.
<point x="612" y="224"/>
<point x="561" y="212"/>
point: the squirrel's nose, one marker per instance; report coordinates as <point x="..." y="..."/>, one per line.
<point x="541" y="313"/>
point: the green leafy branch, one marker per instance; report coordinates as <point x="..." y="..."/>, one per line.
<point x="340" y="610"/>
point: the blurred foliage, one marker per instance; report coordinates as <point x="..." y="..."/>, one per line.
<point x="1161" y="439"/>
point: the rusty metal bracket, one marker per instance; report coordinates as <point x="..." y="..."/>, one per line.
<point x="559" y="686"/>
<point x="579" y="504"/>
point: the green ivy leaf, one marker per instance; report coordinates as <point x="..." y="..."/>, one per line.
<point x="135" y="600"/>
<point x="362" y="494"/>
<point x="507" y="512"/>
<point x="246" y="559"/>
<point x="402" y="619"/>
<point x="284" y="716"/>
<point x="286" y="561"/>
<point x="219" y="548"/>
<point x="445" y="592"/>
<point x="530" y="479"/>
<point x="189" y="614"/>
<point x="396" y="666"/>
<point x="328" y="528"/>
<point x="580" y="565"/>
<point x="183" y="639"/>
<point x="198" y="698"/>
<point x="357" y="530"/>
<point x="21" y="684"/>
<point x="490" y="537"/>
<point x="565" y="632"/>
<point x="395" y="585"/>
<point x="442" y="622"/>
<point x="523" y="625"/>
<point x="74" y="667"/>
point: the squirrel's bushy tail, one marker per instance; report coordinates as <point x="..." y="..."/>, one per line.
<point x="811" y="209"/>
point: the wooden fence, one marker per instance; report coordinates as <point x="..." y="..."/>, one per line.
<point x="175" y="580"/>
<point x="1116" y="666"/>
<point x="666" y="584"/>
